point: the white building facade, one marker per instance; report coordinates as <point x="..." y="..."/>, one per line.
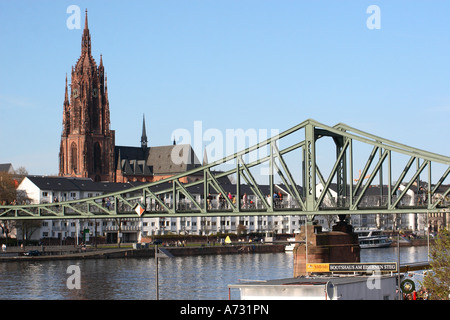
<point x="38" y="189"/>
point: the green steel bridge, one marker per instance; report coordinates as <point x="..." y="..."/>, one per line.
<point x="314" y="164"/>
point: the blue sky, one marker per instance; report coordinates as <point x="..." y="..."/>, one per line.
<point x="230" y="64"/>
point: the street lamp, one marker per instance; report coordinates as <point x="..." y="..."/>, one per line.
<point x="156" y="242"/>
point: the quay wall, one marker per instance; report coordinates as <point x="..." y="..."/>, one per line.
<point x="207" y="250"/>
<point x="71" y="253"/>
<point x="204" y="250"/>
<point x="149" y="252"/>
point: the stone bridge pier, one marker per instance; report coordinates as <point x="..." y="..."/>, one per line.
<point x="337" y="246"/>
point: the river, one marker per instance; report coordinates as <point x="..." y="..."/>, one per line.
<point x="180" y="278"/>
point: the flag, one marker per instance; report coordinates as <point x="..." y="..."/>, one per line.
<point x="139" y="209"/>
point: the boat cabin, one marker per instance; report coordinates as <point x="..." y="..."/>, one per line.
<point x="376" y="287"/>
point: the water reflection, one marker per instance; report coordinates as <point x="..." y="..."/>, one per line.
<point x="407" y="254"/>
<point x="192" y="278"/>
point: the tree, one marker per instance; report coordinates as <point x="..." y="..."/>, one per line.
<point x="27" y="228"/>
<point x="6" y="226"/>
<point x="437" y="281"/>
<point x="7" y="188"/>
<point x="241" y="229"/>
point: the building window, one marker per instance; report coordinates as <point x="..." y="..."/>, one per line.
<point x="73" y="158"/>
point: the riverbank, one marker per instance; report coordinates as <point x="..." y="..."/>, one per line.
<point x="149" y="252"/>
<point x="127" y="251"/>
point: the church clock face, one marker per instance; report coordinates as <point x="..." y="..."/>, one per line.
<point x="95" y="92"/>
<point x="75" y="93"/>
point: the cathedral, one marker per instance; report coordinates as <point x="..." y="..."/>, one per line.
<point x="88" y="147"/>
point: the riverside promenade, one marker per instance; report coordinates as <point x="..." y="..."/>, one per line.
<point x="69" y="252"/>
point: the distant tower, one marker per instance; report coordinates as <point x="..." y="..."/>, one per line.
<point x="87" y="143"/>
<point x="205" y="158"/>
<point x="144" y="140"/>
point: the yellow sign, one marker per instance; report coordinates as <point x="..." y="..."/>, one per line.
<point x="318" y="267"/>
<point x="352" y="267"/>
<point x="227" y="239"/>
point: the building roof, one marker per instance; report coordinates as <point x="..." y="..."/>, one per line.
<point x="76" y="184"/>
<point x="161" y="160"/>
<point x="172" y="159"/>
<point x="87" y="184"/>
<point x="6" y="167"/>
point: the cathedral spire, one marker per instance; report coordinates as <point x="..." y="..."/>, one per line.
<point x="66" y="112"/>
<point x="66" y="97"/>
<point x="86" y="21"/>
<point x="106" y="87"/>
<point x="86" y="39"/>
<point x="144" y="134"/>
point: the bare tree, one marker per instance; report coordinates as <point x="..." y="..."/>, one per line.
<point x="28" y="228"/>
<point x="7" y="188"/>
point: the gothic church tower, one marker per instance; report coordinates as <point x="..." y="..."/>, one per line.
<point x="87" y="143"/>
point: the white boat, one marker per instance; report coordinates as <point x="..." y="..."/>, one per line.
<point x="290" y="247"/>
<point x="372" y="238"/>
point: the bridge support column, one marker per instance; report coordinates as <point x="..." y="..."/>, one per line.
<point x="338" y="246"/>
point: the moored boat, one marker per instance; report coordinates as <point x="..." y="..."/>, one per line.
<point x="372" y="238"/>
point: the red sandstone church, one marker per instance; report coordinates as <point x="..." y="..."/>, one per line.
<point x="88" y="147"/>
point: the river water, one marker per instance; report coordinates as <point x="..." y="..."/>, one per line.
<point x="180" y="278"/>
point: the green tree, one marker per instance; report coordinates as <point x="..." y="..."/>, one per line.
<point x="437" y="281"/>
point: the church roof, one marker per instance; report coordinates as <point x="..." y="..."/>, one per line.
<point x="172" y="159"/>
<point x="161" y="160"/>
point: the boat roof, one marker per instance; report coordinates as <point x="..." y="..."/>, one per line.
<point x="306" y="280"/>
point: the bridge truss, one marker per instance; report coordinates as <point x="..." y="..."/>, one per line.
<point x="312" y="166"/>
